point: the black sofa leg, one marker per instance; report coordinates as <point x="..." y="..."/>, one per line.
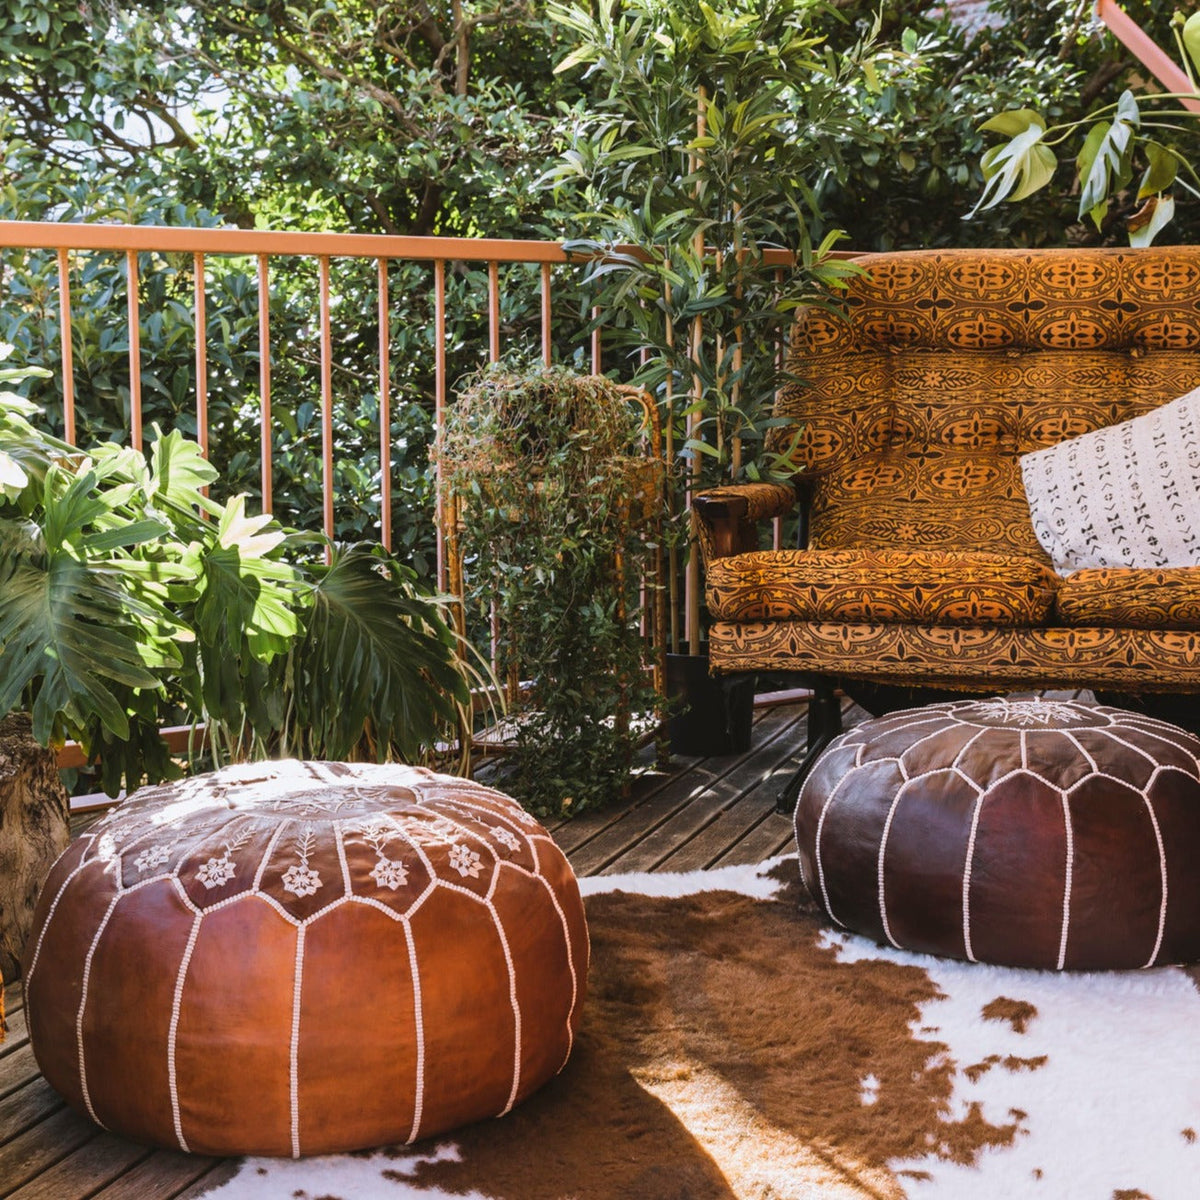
<point x="824" y="724"/>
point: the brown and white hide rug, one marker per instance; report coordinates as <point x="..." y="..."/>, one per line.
<point x="733" y="1046"/>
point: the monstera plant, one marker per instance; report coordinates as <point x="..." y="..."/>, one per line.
<point x="131" y="597"/>
<point x="1132" y="139"/>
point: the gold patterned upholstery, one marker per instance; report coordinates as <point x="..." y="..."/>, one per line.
<point x="1168" y="599"/>
<point x="952" y="587"/>
<point x="906" y="424"/>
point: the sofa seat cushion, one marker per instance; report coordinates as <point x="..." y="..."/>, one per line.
<point x="953" y="587"/>
<point x="1129" y="598"/>
<point x="935" y="498"/>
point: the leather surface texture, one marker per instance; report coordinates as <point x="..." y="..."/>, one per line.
<point x="1048" y="834"/>
<point x="299" y="958"/>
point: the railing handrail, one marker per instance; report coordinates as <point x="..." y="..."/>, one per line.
<point x="188" y="239"/>
<point x="195" y="239"/>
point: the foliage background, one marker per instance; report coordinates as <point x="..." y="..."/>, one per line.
<point x="434" y="118"/>
<point x="416" y="117"/>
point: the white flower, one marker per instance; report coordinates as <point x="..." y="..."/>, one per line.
<point x="465" y="861"/>
<point x="390" y="874"/>
<point x="216" y="871"/>
<point x="301" y="879"/>
<point x="524" y="817"/>
<point x="505" y="837"/>
<point x="151" y="857"/>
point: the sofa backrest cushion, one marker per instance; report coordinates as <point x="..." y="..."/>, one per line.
<point x="997" y="352"/>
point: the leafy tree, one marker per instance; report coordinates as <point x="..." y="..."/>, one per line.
<point x="335" y="115"/>
<point x="1132" y="151"/>
<point x="913" y="173"/>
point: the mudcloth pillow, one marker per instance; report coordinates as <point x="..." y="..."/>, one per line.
<point x="1124" y="496"/>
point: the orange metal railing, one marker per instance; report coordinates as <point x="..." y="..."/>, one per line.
<point x="263" y="245"/>
<point x="65" y="239"/>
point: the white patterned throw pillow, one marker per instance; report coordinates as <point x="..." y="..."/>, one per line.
<point x="1124" y="496"/>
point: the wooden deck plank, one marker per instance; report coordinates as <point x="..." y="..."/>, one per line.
<point x="98" y="1161"/>
<point x="672" y="835"/>
<point x="26" y="1106"/>
<point x="41" y="1147"/>
<point x="17" y="1035"/>
<point x="746" y="813"/>
<point x="571" y="833"/>
<point x="769" y="839"/>
<point x="17" y="1069"/>
<point x="165" y="1174"/>
<point x="638" y="822"/>
<point x="217" y="1174"/>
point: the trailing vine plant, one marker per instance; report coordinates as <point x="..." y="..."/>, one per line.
<point x="551" y="510"/>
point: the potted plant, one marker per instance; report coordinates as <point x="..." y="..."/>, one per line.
<point x="551" y="515"/>
<point x="131" y="594"/>
<point x="694" y="162"/>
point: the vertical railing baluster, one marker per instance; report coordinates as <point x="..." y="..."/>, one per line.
<point x="326" y="397"/>
<point x="64" y="336"/>
<point x="200" y="325"/>
<point x="264" y="380"/>
<point x="385" y="409"/>
<point x="133" y="316"/>
<point x="439" y="403"/>
<point x="493" y="312"/>
<point x="547" y="345"/>
<point x="780" y="359"/>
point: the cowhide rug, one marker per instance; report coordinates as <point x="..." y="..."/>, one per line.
<point x="732" y="1046"/>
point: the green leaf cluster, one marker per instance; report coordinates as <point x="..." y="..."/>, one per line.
<point x="131" y="595"/>
<point x="555" y="527"/>
<point x="1144" y="137"/>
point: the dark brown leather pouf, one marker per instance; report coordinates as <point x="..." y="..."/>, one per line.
<point x="1027" y="833"/>
<point x="297" y="958"/>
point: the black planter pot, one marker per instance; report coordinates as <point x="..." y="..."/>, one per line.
<point x="711" y="715"/>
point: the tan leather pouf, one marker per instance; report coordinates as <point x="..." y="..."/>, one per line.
<point x="291" y="958"/>
<point x="1051" y="834"/>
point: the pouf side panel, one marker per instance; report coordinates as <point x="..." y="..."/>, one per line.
<point x="847" y="846"/>
<point x="994" y="755"/>
<point x="829" y="773"/>
<point x="1175" y="798"/>
<point x="127" y="1017"/>
<point x="232" y="1049"/>
<point x="466" y="1011"/>
<point x="924" y="860"/>
<point x="356" y="1078"/>
<point x="54" y="988"/>
<point x="1116" y="878"/>
<point x="939" y="747"/>
<point x="1141" y="750"/>
<point x="1018" y="875"/>
<point x="547" y="984"/>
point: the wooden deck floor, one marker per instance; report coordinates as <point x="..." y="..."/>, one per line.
<point x="706" y="812"/>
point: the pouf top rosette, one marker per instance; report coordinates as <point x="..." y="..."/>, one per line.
<point x="1053" y="834"/>
<point x="288" y="958"/>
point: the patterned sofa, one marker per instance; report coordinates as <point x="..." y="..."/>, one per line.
<point x="920" y="567"/>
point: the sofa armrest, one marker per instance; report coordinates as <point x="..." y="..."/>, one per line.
<point x="726" y="516"/>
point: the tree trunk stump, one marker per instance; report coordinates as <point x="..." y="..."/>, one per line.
<point x="35" y="827"/>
